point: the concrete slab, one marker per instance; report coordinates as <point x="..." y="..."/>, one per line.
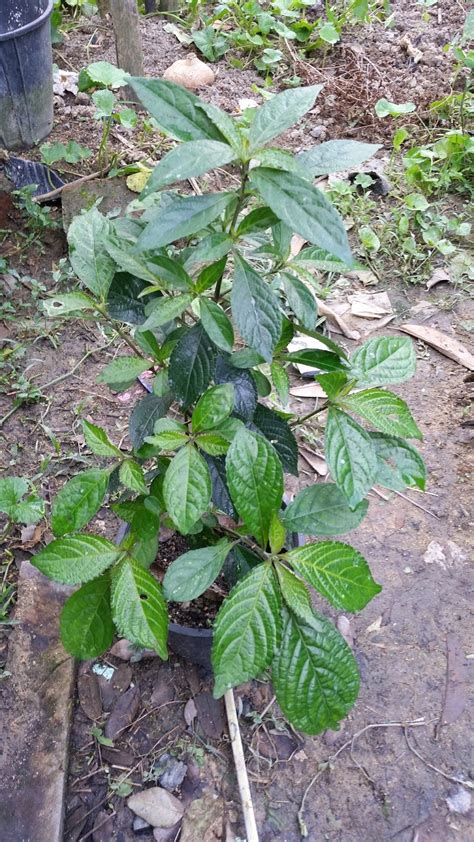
<point x="35" y="713"/>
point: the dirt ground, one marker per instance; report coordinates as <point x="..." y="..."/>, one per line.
<point x="395" y="768"/>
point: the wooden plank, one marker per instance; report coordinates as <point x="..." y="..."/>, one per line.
<point x="128" y="42"/>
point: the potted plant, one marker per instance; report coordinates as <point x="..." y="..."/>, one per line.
<point x="212" y="297"/>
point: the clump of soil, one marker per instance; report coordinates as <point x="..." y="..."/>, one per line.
<point x="201" y="612"/>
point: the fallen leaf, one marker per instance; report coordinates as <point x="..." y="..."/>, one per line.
<point x="366" y="277"/>
<point x="441" y="342"/>
<point x="370" y="305"/>
<point x="344" y="628"/>
<point x="412" y="51"/>
<point x="247" y="103"/>
<point x="210" y="712"/>
<point x="309" y="390"/>
<point x="457" y="682"/>
<point x="438" y="276"/>
<point x="375" y="626"/>
<point x="136" y="182"/>
<point x="330" y="313"/>
<point x="31" y="535"/>
<point x="190" y="712"/>
<point x="296" y="244"/>
<point x="300" y="342"/>
<point x="178" y="33"/>
<point x="317" y="463"/>
<point x="88" y="691"/>
<point x="123" y="713"/>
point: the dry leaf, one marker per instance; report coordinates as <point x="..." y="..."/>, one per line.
<point x="412" y="51"/>
<point x="247" y="103"/>
<point x="438" y="276"/>
<point x="317" y="463"/>
<point x="190" y="712"/>
<point x="300" y="343"/>
<point x="31" y="535"/>
<point x="297" y="243"/>
<point x="443" y="343"/>
<point x="366" y="277"/>
<point x="331" y="314"/>
<point x="370" y="305"/>
<point x="309" y="390"/>
<point x="375" y="626"/>
<point x="457" y="682"/>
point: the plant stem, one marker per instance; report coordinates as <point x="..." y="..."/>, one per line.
<point x="238" y="208"/>
<point x="123" y="335"/>
<point x="304" y="418"/>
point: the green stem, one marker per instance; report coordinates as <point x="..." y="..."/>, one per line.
<point x="304" y="418"/>
<point x="232" y="226"/>
<point x="102" y="154"/>
<point x="123" y="335"/>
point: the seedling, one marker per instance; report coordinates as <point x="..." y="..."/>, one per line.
<point x="213" y="296"/>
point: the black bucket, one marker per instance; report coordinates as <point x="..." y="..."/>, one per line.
<point x="26" y="72"/>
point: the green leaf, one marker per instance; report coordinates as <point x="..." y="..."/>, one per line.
<point x="337" y="571"/>
<point x="187" y="488"/>
<point x="321" y="259"/>
<point x="86" y="625"/>
<point x="135" y="265"/>
<point x="329" y="33"/>
<point x="107" y="74"/>
<point x="384" y="410"/>
<point x="78" y="501"/>
<point x="169" y="272"/>
<point x="245" y="390"/>
<point x="336" y="156"/>
<point x="259" y="219"/>
<point x="255" y="309"/>
<point x="301" y="300"/>
<point x="132" y="477"/>
<point x="105" y="103"/>
<point x="322" y="360"/>
<point x="123" y="302"/>
<point x="294" y="592"/>
<point x="87" y="252"/>
<point x="246" y="358"/>
<point x="139" y="609"/>
<point x="145" y="415"/>
<point x="322" y="510"/>
<point x="305" y="209"/>
<point x="213" y="443"/>
<point x="64" y="305"/>
<point x="192" y="364"/>
<point x="213" y="407"/>
<point x="314" y="674"/>
<point x="168" y="435"/>
<point x="212" y="247"/>
<point x="210" y="275"/>
<point x="122" y="372"/>
<point x="167" y="309"/>
<point x="350" y="456"/>
<point x="77" y="558"/>
<point x="384" y="360"/>
<point x="71" y="152"/>
<point x="281" y="112"/>
<point x="255" y="480"/>
<point x="12" y="490"/>
<point x="188" y="160"/>
<point x="279" y="434"/>
<point x="98" y="441"/>
<point x="220" y="492"/>
<point x="279" y="159"/>
<point x="177" y="111"/>
<point x="247" y="630"/>
<point x="277" y="534"/>
<point x="281" y="382"/>
<point x="332" y="383"/>
<point x="398" y="463"/>
<point x="384" y="108"/>
<point x="184" y="216"/>
<point x="226" y="125"/>
<point x="216" y="324"/>
<point x="191" y="574"/>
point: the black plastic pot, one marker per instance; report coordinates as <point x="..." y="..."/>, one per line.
<point x="195" y="645"/>
<point x="26" y="72"/>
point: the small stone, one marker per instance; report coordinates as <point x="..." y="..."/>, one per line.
<point x="161" y="834"/>
<point x="82" y="98"/>
<point x="139" y="824"/>
<point x="123" y="713"/>
<point x="204" y="819"/>
<point x="169" y="771"/>
<point x="318" y="132"/>
<point x="103" y="827"/>
<point x="460" y="801"/>
<point x="157" y="806"/>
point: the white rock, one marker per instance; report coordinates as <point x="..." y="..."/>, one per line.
<point x="435" y="554"/>
<point x="190" y="72"/>
<point x="156" y="806"/>
<point x="460" y="802"/>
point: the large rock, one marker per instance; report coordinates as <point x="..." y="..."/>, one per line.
<point x="157" y="806"/>
<point x="204" y="820"/>
<point x="76" y="197"/>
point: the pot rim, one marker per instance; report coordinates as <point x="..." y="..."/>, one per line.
<point x="28" y="27"/>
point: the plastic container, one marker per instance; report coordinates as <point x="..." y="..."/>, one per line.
<point x="26" y="72"/>
<point x="194" y="645"/>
